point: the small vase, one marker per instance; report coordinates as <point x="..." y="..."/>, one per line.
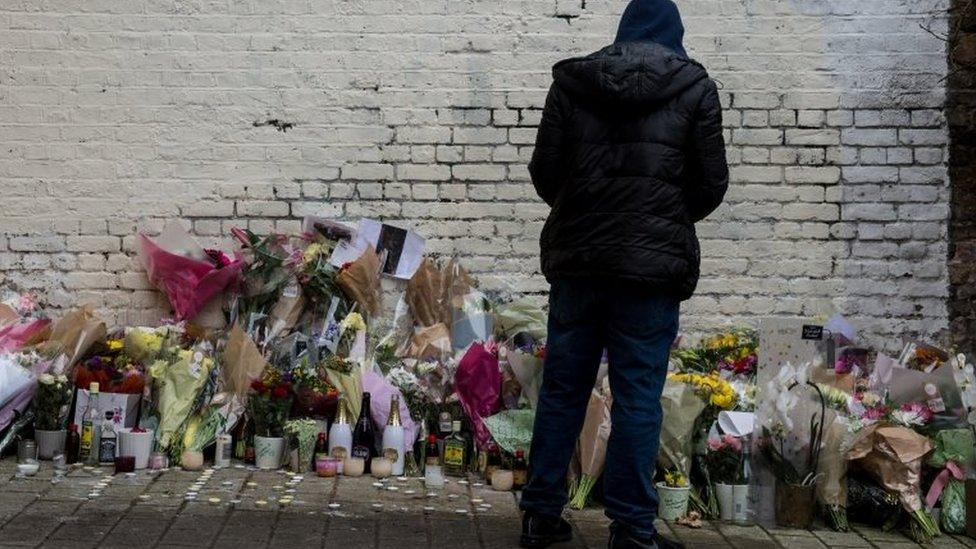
<point x="794" y="506"/>
<point x="50" y="443"/>
<point x="673" y="501"/>
<point x="726" y="506"/>
<point x="268" y="452"/>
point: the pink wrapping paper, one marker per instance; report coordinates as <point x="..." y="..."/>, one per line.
<point x="20" y="402"/>
<point x="15" y="336"/>
<point x="478" y="383"/>
<point x="380" y="390"/>
<point x="188" y="283"/>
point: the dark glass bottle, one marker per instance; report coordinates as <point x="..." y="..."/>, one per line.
<point x="520" y="470"/>
<point x="72" y="445"/>
<point x="433" y="452"/>
<point x="364" y="436"/>
<point x="321" y="447"/>
<point x="494" y="461"/>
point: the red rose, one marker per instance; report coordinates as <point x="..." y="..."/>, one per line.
<point x="280" y="391"/>
<point x="258" y="386"/>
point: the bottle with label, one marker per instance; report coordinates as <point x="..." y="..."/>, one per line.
<point x="72" y="444"/>
<point x="393" y="447"/>
<point x="740" y="491"/>
<point x="445" y="424"/>
<point x="224" y="450"/>
<point x="494" y="461"/>
<point x="433" y="454"/>
<point x="321" y="447"/>
<point x="340" y="435"/>
<point x="107" y="439"/>
<point x="88" y="452"/>
<point x="363" y="436"/>
<point x="520" y="470"/>
<point x="455" y="452"/>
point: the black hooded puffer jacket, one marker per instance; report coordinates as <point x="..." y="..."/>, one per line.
<point x="629" y="155"/>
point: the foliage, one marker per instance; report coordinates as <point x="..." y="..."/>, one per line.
<point x="50" y="402"/>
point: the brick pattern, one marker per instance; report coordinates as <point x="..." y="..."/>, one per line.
<point x="961" y="110"/>
<point x="119" y="115"/>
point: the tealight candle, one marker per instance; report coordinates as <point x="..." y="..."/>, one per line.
<point x="353" y="467"/>
<point x="381" y="467"/>
<point x="502" y="480"/>
<point x="158" y="460"/>
<point x="326" y="467"/>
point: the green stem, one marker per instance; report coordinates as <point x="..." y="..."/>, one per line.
<point x="582" y="494"/>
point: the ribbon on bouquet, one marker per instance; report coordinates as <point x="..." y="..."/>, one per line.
<point x="951" y="471"/>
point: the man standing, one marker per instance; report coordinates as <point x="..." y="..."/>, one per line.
<point x="629" y="155"/>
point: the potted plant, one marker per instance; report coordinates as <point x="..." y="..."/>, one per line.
<point x="302" y="434"/>
<point x="673" y="496"/>
<point x="269" y="404"/>
<point x="795" y="486"/>
<point x="724" y="463"/>
<point x="50" y="403"/>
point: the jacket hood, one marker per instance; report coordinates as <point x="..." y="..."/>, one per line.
<point x="629" y="72"/>
<point x="653" y="21"/>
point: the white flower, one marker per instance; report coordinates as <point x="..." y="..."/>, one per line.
<point x="46" y="379"/>
<point x="62" y="378"/>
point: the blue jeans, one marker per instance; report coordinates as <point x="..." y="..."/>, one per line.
<point x="636" y="328"/>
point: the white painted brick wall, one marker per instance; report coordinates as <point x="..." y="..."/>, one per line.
<point x="117" y="115"/>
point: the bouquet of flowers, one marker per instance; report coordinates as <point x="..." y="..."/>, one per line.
<point x="734" y="352"/>
<point x="116" y="374"/>
<point x="724" y="459"/>
<point x="20" y="323"/>
<point x="592" y="446"/>
<point x="51" y="401"/>
<point x="269" y="404"/>
<point x="893" y="456"/>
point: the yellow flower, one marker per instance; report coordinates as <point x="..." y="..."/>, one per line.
<point x="312" y="252"/>
<point x="114" y="345"/>
<point x="354" y="322"/>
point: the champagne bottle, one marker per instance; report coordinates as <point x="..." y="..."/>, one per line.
<point x="89" y="444"/>
<point x="740" y="492"/>
<point x="393" y="447"/>
<point x="340" y="435"/>
<point x="364" y="437"/>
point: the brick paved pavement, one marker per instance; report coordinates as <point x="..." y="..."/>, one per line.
<point x="238" y="507"/>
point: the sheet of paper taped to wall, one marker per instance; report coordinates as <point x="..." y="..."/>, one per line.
<point x="403" y="249"/>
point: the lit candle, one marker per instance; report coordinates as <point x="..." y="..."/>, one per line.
<point x="326" y="467"/>
<point x="381" y="467"/>
<point x="502" y="480"/>
<point x="353" y="467"/>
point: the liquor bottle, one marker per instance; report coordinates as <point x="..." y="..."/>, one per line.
<point x="340" y="435"/>
<point x="88" y="452"/>
<point x="72" y="445"/>
<point x="363" y="436"/>
<point x="433" y="452"/>
<point x="321" y="447"/>
<point x="740" y="491"/>
<point x="520" y="470"/>
<point x="494" y="461"/>
<point x="455" y="452"/>
<point x="445" y="424"/>
<point x="393" y="448"/>
<point x="107" y="439"/>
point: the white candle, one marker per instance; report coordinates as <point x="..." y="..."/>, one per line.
<point x="381" y="467"/>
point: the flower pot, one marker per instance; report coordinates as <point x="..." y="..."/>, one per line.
<point x="724" y="494"/>
<point x="794" y="506"/>
<point x="50" y="443"/>
<point x="268" y="452"/>
<point x="672" y="502"/>
<point x="136" y="444"/>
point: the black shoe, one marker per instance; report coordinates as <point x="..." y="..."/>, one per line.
<point x="623" y="538"/>
<point x="540" y="531"/>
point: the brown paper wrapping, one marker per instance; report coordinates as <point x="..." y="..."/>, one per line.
<point x="423" y="295"/>
<point x="457" y="285"/>
<point x="430" y="342"/>
<point x="893" y="456"/>
<point x="75" y="333"/>
<point x="593" y="438"/>
<point x="832" y="489"/>
<point x="243" y="362"/>
<point x="360" y="281"/>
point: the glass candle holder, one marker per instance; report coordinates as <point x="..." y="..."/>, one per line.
<point x="353" y="467"/>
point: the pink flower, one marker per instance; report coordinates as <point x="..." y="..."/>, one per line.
<point x="715" y="444"/>
<point x="26" y="304"/>
<point x="733" y="442"/>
